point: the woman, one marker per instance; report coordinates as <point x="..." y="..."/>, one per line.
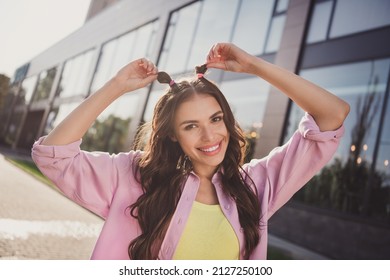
<point x="186" y="196"/>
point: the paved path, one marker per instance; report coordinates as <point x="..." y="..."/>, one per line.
<point x="37" y="222"/>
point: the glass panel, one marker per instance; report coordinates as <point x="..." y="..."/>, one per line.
<point x="122" y="54"/>
<point x="179" y="38"/>
<point x="142" y="42"/>
<point x="344" y="182"/>
<point x="319" y="22"/>
<point x="282" y="6"/>
<point x="216" y="23"/>
<point x="359" y="15"/>
<point x="247" y="99"/>
<point x="74" y="78"/>
<point x="104" y="67"/>
<point x="13" y="128"/>
<point x="252" y="25"/>
<point x="275" y="34"/>
<point x="380" y="201"/>
<point x="110" y="130"/>
<point x="46" y="79"/>
<point x="118" y="52"/>
<point x="26" y="90"/>
<point x="56" y="115"/>
<point x="153" y="98"/>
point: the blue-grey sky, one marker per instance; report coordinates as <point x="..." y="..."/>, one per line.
<point x="28" y="27"/>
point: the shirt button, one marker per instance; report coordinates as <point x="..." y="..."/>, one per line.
<point x="241" y="229"/>
<point x="179" y="221"/>
<point x="227" y="206"/>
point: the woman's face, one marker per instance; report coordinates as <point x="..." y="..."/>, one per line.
<point x="201" y="132"/>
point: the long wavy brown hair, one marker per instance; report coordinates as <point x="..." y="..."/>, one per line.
<point x="162" y="182"/>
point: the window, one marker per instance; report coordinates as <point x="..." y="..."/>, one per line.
<point x="255" y="26"/>
<point x="247" y="99"/>
<point x="110" y="130"/>
<point x="45" y="83"/>
<point x="252" y="25"/>
<point x="56" y="115"/>
<point x="360" y="168"/>
<point x="118" y="52"/>
<point x="215" y="25"/>
<point x="318" y="30"/>
<point x="332" y="19"/>
<point x="27" y="90"/>
<point x="349" y="15"/>
<point x="179" y="38"/>
<point x="75" y="76"/>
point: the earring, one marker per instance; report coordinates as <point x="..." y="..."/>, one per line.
<point x="184" y="164"/>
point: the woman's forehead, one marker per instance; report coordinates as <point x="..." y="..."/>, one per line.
<point x="198" y="106"/>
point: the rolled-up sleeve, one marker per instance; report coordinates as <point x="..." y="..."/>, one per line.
<point x="287" y="168"/>
<point x="88" y="178"/>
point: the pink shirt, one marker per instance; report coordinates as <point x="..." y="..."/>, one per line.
<point x="106" y="185"/>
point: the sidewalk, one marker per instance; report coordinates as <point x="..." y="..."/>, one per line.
<point x="37" y="222"/>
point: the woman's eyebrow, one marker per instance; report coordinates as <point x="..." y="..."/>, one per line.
<point x="196" y="121"/>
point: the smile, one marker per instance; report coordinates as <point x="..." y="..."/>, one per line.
<point x="211" y="149"/>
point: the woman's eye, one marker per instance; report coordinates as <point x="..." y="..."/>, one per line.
<point x="190" y="126"/>
<point x="217" y="119"/>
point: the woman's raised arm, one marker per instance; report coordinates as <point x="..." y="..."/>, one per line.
<point x="135" y="75"/>
<point x="328" y="110"/>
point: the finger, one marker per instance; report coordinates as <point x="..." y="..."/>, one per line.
<point x="217" y="50"/>
<point x="216" y="65"/>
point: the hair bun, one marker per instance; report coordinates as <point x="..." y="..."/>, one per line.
<point x="201" y="69"/>
<point x="163" y="78"/>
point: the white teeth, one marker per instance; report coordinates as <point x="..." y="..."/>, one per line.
<point x="211" y="149"/>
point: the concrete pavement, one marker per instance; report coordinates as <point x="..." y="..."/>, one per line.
<point x="37" y="222"/>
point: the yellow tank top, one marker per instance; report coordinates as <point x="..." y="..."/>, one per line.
<point x="207" y="235"/>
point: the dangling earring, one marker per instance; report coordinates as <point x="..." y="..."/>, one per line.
<point x="184" y="164"/>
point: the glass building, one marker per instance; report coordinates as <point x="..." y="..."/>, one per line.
<point x="342" y="45"/>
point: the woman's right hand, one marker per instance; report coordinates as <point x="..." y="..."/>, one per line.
<point x="135" y="75"/>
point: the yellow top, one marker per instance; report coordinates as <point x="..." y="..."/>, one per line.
<point x="207" y="236"/>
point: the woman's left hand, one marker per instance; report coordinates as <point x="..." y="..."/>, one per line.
<point x="229" y="57"/>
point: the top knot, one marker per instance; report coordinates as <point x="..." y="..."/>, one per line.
<point x="201" y="70"/>
<point x="164" y="78"/>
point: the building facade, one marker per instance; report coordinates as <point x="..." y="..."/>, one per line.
<point x="342" y="45"/>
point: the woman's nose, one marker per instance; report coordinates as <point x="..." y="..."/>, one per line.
<point x="207" y="134"/>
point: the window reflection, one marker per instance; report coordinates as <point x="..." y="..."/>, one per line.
<point x="13" y="128"/>
<point x="349" y="15"/>
<point x="26" y="90"/>
<point x="58" y="114"/>
<point x="282" y="6"/>
<point x="45" y="82"/>
<point x="179" y="38"/>
<point x="253" y="25"/>
<point x="247" y="99"/>
<point x="110" y="130"/>
<point x="74" y="77"/>
<point x="275" y="34"/>
<point x="214" y="26"/>
<point x="346" y="182"/>
<point x="253" y="13"/>
<point x="319" y="22"/>
<point x="120" y="51"/>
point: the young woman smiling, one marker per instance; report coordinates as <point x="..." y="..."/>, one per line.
<point x="187" y="194"/>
